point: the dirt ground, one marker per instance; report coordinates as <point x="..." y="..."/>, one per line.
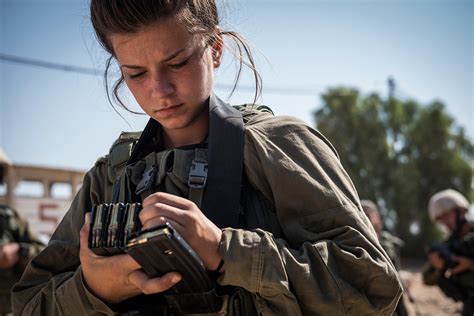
<point x="426" y="300"/>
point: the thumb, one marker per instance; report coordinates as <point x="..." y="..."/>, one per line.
<point x="84" y="233"/>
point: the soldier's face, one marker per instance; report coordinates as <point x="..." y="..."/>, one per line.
<point x="448" y="219"/>
<point x="170" y="72"/>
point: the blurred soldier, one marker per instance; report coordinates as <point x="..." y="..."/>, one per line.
<point x="451" y="263"/>
<point x="17" y="246"/>
<point x="390" y="244"/>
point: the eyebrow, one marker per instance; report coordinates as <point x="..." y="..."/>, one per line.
<point x="170" y="57"/>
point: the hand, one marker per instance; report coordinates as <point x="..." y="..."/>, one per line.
<point x="118" y="277"/>
<point x="435" y="260"/>
<point x="198" y="231"/>
<point x="9" y="255"/>
<point x="464" y="264"/>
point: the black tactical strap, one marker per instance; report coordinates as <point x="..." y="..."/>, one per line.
<point x="221" y="201"/>
<point x="197" y="178"/>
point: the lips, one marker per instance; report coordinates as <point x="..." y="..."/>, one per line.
<point x="168" y="110"/>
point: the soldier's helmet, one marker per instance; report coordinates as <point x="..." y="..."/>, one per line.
<point x="445" y="201"/>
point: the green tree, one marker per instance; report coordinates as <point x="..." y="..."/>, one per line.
<point x="398" y="153"/>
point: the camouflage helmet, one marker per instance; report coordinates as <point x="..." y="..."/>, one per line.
<point x="445" y="201"/>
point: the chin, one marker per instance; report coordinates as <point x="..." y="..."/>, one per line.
<point x="174" y="124"/>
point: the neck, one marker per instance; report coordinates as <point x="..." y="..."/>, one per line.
<point x="194" y="133"/>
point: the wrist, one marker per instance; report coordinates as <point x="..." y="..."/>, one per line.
<point x="217" y="271"/>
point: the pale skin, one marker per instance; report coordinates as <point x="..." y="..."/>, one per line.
<point x="448" y="219"/>
<point x="170" y="72"/>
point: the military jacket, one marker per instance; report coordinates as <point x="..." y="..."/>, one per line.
<point x="14" y="229"/>
<point x="320" y="256"/>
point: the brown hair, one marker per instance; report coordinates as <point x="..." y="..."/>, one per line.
<point x="130" y="16"/>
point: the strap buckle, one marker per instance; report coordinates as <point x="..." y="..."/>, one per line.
<point x="147" y="181"/>
<point x="197" y="175"/>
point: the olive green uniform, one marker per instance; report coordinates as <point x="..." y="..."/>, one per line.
<point x="460" y="286"/>
<point x="391" y="245"/>
<point x="14" y="229"/>
<point x="314" y="253"/>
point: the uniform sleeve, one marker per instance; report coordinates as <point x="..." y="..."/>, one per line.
<point x="52" y="282"/>
<point x="327" y="261"/>
<point x="30" y="245"/>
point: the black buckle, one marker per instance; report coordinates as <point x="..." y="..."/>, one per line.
<point x="197" y="175"/>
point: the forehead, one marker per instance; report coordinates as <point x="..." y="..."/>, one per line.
<point x="160" y="38"/>
<point x="447" y="215"/>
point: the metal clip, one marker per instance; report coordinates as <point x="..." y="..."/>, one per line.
<point x="147" y="181"/>
<point x="197" y="175"/>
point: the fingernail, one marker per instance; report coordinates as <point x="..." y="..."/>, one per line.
<point x="176" y="278"/>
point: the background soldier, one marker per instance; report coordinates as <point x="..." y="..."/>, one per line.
<point x="391" y="245"/>
<point x="450" y="264"/>
<point x="17" y="246"/>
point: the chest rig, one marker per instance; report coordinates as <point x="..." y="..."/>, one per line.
<point x="182" y="172"/>
<point x="209" y="174"/>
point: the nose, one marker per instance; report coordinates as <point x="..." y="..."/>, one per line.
<point x="162" y="86"/>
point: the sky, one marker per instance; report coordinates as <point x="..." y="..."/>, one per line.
<point x="62" y="119"/>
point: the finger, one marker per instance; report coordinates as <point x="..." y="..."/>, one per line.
<point x="160" y="221"/>
<point x="84" y="236"/>
<point x="154" y="222"/>
<point x="153" y="285"/>
<point x="166" y="198"/>
<point x="179" y="227"/>
<point x="124" y="262"/>
<point x="160" y="210"/>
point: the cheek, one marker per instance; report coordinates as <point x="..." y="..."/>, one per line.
<point x="138" y="89"/>
<point x="141" y="96"/>
<point x="204" y="73"/>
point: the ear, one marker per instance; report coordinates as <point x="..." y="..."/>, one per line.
<point x="217" y="47"/>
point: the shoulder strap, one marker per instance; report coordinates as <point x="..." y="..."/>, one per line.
<point x="221" y="200"/>
<point x="197" y="177"/>
<point x="120" y="152"/>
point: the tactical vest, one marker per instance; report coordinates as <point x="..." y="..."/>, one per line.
<point x="210" y="174"/>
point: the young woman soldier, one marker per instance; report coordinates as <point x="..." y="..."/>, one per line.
<point x="286" y="224"/>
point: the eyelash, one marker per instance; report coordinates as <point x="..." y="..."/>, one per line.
<point x="181" y="64"/>
<point x="135" y="76"/>
<point x="175" y="66"/>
